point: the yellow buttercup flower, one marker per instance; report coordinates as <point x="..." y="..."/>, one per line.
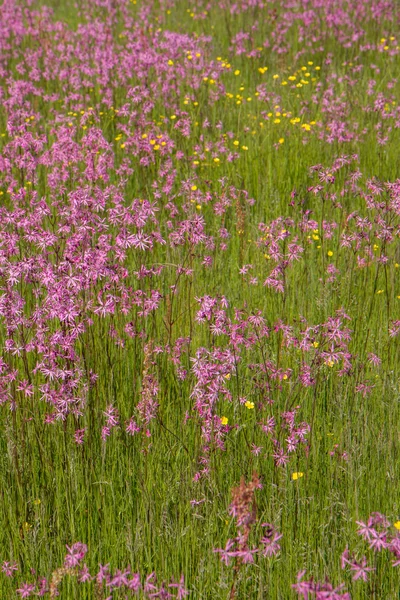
<point x="249" y="404"/>
<point x="296" y="476"/>
<point x="224" y="420"/>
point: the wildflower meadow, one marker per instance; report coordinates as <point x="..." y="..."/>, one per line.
<point x="200" y="299"/>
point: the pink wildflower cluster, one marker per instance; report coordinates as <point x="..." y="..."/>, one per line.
<point x="104" y="581"/>
<point x="243" y="509"/>
<point x="319" y="590"/>
<point x="381" y="535"/>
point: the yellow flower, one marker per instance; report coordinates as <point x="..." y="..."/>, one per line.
<point x="193" y="188"/>
<point x="224" y="420"/>
<point x="297" y="476"/>
<point x="397" y="525"/>
<point x="330" y="253"/>
<point x="37" y="502"/>
<point x="249" y="405"/>
<point x="281" y="140"/>
<point x="237" y="72"/>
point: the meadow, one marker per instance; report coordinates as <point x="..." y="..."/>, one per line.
<point x="200" y="299"/>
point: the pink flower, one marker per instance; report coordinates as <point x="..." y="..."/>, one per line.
<point x="75" y="554"/>
<point x="26" y="590"/>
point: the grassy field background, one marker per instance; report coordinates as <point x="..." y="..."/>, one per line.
<point x="199" y="280"/>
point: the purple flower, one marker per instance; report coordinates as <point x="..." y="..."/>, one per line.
<point x="361" y="570"/>
<point x="76" y="553"/>
<point x="26" y="590"/>
<point x="9" y="568"/>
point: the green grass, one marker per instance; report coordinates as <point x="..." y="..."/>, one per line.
<point x="129" y="499"/>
